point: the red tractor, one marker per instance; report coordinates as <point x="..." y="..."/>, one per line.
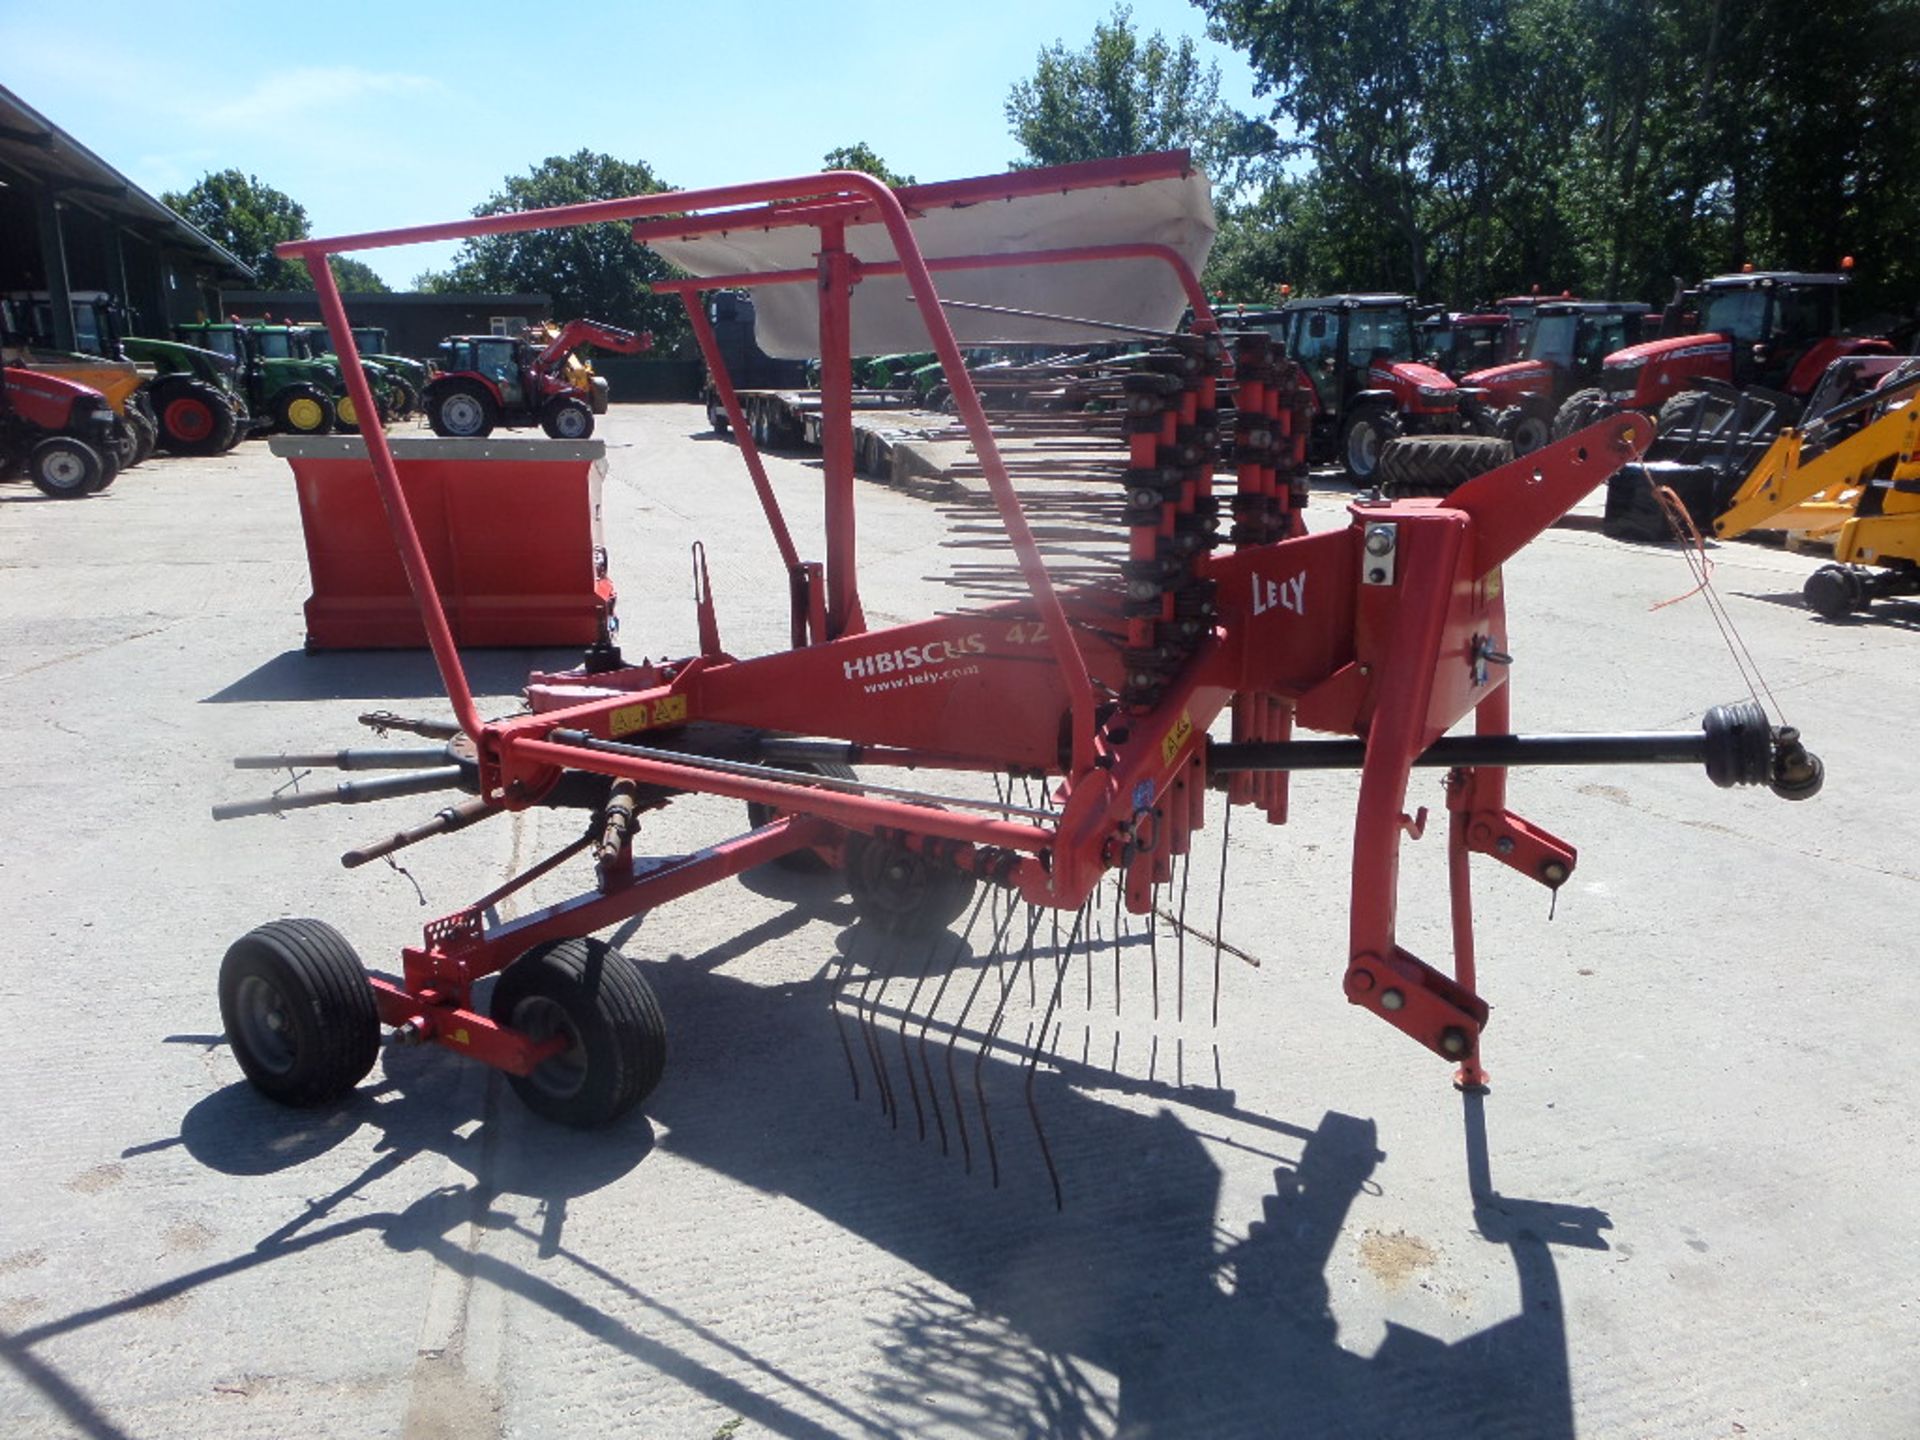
<point x="1771" y="331"/>
<point x="490" y="380"/>
<point x="1565" y="347"/>
<point x="62" y="432"/>
<point x="1367" y="388"/>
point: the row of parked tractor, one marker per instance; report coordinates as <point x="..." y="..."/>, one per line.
<point x="72" y="420"/>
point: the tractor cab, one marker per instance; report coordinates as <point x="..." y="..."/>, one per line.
<point x="1772" y="320"/>
<point x="495" y="358"/>
<point x="1576" y="336"/>
<point x="1459" y="344"/>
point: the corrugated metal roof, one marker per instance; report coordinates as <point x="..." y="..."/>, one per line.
<point x="35" y="149"/>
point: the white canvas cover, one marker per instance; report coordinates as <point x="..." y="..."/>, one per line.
<point x="1177" y="212"/>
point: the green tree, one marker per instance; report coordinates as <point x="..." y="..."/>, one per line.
<point x="249" y="217"/>
<point x="861" y="156"/>
<point x="593" y="270"/>
<point x="1125" y="95"/>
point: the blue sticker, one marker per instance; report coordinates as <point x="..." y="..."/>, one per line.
<point x="1143" y="795"/>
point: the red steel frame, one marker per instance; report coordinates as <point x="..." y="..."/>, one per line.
<point x="1397" y="662"/>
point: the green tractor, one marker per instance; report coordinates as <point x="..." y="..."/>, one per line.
<point x="196" y="396"/>
<point x="293" y="394"/>
<point x="408" y="377"/>
<point x="299" y="342"/>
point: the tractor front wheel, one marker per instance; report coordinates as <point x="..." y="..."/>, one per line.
<point x="461" y="410"/>
<point x="302" y="410"/>
<point x="717" y="415"/>
<point x="1529" y="429"/>
<point x="299" y="1012"/>
<point x="588" y="994"/>
<point x="1834" y="592"/>
<point x="66" y="468"/>
<point x="1578" y="411"/>
<point x="1367" y="429"/>
<point x="567" y="417"/>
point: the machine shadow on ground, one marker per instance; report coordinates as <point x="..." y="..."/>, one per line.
<point x="385" y="675"/>
<point x="1205" y="1329"/>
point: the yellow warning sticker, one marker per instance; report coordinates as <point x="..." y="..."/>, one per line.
<point x="667" y="710"/>
<point x="1175" y="738"/>
<point x="461" y="1037"/>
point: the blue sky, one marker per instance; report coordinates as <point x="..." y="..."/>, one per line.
<point x="379" y="115"/>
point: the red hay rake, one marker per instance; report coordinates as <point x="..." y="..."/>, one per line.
<point x="1193" y="592"/>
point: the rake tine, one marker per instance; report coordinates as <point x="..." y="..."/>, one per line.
<point x="1180" y="945"/>
<point x="1033" y="1057"/>
<point x="834" y="991"/>
<point x="1118" y="887"/>
<point x="986" y="1047"/>
<point x="906" y="1059"/>
<point x="933" y="1009"/>
<point x="1220" y="917"/>
<point x="870" y="1038"/>
<point x="953" y="1081"/>
<point x="1153" y="943"/>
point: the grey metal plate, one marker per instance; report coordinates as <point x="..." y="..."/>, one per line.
<point x="432" y="447"/>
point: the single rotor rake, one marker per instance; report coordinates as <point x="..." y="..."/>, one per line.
<point x="1143" y="579"/>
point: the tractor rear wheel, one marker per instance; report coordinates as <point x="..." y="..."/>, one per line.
<point x="194" y="417"/>
<point x="299" y="1013"/>
<point x="303" y="410"/>
<point x="67" y="469"/>
<point x="567" y="417"/>
<point x="406" y="399"/>
<point x="589" y="994"/>
<point x="461" y="410"/>
<point x="1437" y="464"/>
<point x="1578" y="411"/>
<point x="1368" y="428"/>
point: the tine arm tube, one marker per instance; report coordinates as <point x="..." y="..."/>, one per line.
<point x="407" y="759"/>
<point x="347" y="792"/>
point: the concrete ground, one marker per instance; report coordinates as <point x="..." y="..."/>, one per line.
<point x="1686" y="1209"/>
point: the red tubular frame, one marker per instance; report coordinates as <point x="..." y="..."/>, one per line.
<point x="1395" y="662"/>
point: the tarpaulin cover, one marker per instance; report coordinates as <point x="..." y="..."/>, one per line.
<point x="1177" y="212"/>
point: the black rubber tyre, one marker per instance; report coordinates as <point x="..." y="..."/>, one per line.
<point x="461" y="410"/>
<point x="1366" y="431"/>
<point x="596" y="997"/>
<point x="68" y="469"/>
<point x="567" y="417"/>
<point x="1834" y="592"/>
<point x="126" y="442"/>
<point x="149" y="433"/>
<point x="194" y="417"/>
<point x="717" y="415"/>
<point x="1578" y="411"/>
<point x="303" y="410"/>
<point x="801" y="862"/>
<point x="406" y="399"/>
<point x="903" y="892"/>
<point x="298" y="1011"/>
<point x="1528" y="429"/>
<point x="1437" y="464"/>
